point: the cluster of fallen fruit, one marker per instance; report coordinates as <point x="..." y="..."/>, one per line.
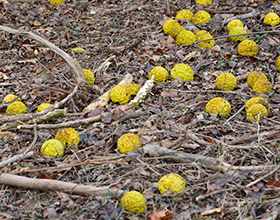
<point x="256" y="108"/>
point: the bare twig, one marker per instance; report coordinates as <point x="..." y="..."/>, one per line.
<point x="26" y="117"/>
<point x="34" y="140"/>
<point x="114" y="159"/>
<point x="74" y="65"/>
<point x="209" y="162"/>
<point x="68" y="124"/>
<point x="15" y="158"/>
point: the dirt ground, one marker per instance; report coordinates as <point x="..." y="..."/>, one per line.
<point x="235" y="171"/>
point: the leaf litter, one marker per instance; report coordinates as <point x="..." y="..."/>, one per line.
<point x="114" y="38"/>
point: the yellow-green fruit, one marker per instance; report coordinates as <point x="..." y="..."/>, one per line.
<point x="204" y="2"/>
<point x="172" y="27"/>
<point x="237" y="30"/>
<point x="10" y="97"/>
<point x="134" y="202"/>
<point x="43" y="106"/>
<point x="256" y="113"/>
<point x="160" y="74"/>
<point x="272" y="19"/>
<point x="234" y="23"/>
<point x="219" y="106"/>
<point x="226" y="81"/>
<point x="172" y="181"/>
<point x="89" y="76"/>
<point x="128" y="142"/>
<point x="183" y="71"/>
<point x="187" y="14"/>
<point x="201" y="17"/>
<point x="258" y="100"/>
<point x="55" y="2"/>
<point x="120" y="94"/>
<point x="133" y="88"/>
<point x="185" y="37"/>
<point x="204" y="35"/>
<point x="262" y="86"/>
<point x="254" y="77"/>
<point x="69" y="136"/>
<point x="52" y="148"/>
<point x="278" y="63"/>
<point x="16" y="108"/>
<point x="248" y="48"/>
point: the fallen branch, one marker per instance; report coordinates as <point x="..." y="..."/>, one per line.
<point x="209" y="162"/>
<point x="71" y="165"/>
<point x="15" y="158"/>
<point x="74" y="65"/>
<point x="246" y="138"/>
<point x="142" y="94"/>
<point x="26" y="117"/>
<point x="68" y="124"/>
<point x="50" y="115"/>
<point x="105" y="98"/>
<point x="55" y="185"/>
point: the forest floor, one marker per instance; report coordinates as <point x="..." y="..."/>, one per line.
<point x="125" y="37"/>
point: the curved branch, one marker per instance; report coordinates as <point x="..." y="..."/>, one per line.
<point x="74" y="65"/>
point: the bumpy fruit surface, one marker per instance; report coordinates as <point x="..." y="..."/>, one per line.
<point x="43" y="106"/>
<point x="258" y="100"/>
<point x="204" y="2"/>
<point x="187" y="14"/>
<point x="120" y="94"/>
<point x="172" y="27"/>
<point x="89" y="76"/>
<point x="134" y="202"/>
<point x="248" y="48"/>
<point x="201" y="17"/>
<point x="172" y="181"/>
<point x="234" y="23"/>
<point x="56" y="2"/>
<point x="16" y="108"/>
<point x="128" y="142"/>
<point x="52" y="148"/>
<point x="254" y="77"/>
<point x="256" y="113"/>
<point x="219" y="106"/>
<point x="272" y="19"/>
<point x="160" y="74"/>
<point x="226" y="81"/>
<point x="262" y="86"/>
<point x="133" y="88"/>
<point x="183" y="71"/>
<point x="237" y="30"/>
<point x="204" y="35"/>
<point x="185" y="37"/>
<point x="10" y="97"/>
<point x="69" y="136"/>
<point x="278" y="63"/>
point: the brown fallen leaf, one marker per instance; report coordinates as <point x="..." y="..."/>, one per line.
<point x="162" y="215"/>
<point x="274" y="183"/>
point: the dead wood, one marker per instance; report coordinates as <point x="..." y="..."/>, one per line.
<point x="250" y="138"/>
<point x="26" y="117"/>
<point x="55" y="185"/>
<point x="209" y="162"/>
<point x="105" y="98"/>
<point x="15" y="158"/>
<point x="67" y="124"/>
<point x="74" y="65"/>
